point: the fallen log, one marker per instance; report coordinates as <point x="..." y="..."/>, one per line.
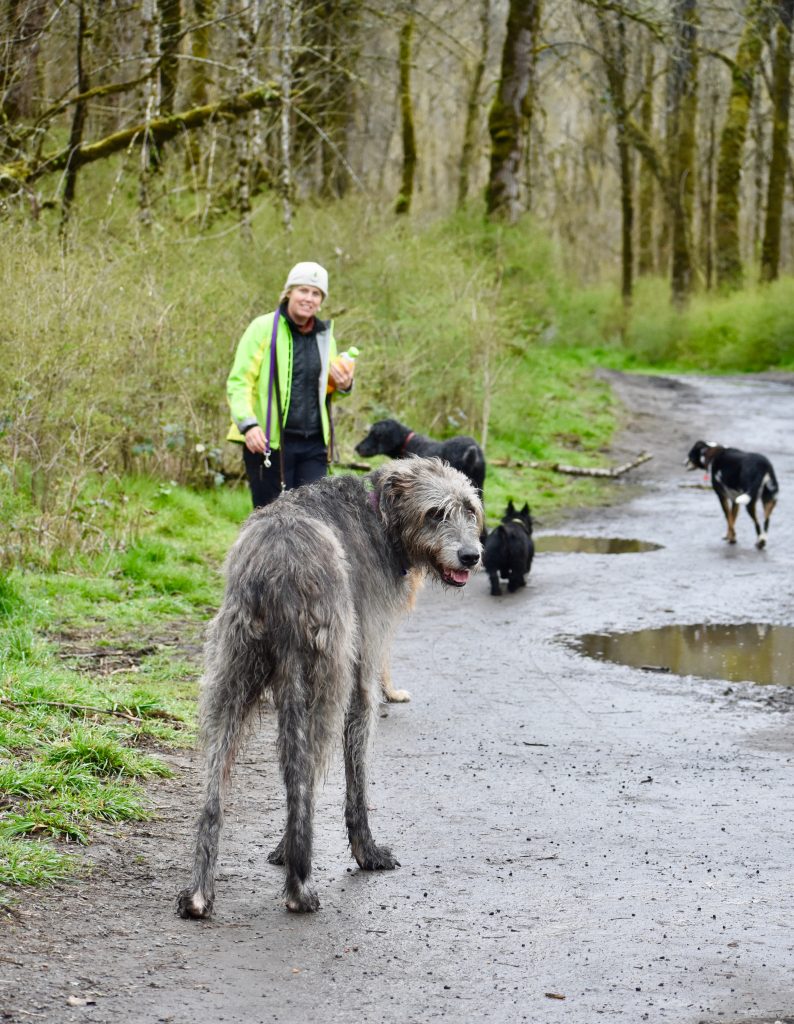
<point x="559" y="467"/>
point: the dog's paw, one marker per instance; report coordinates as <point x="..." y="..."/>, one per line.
<point x="277" y="856"/>
<point x="301" y="898"/>
<point x="375" y="858"/>
<point x="396" y="696"/>
<point x="761" y="543"/>
<point x="190" y="904"/>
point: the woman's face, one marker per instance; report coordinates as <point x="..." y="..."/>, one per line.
<point x="303" y="302"/>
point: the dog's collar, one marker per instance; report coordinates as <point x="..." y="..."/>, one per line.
<point x="411" y="433"/>
<point x="520" y="522"/>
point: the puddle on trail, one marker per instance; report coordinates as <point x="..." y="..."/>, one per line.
<point x="572" y="544"/>
<point x="750" y="652"/>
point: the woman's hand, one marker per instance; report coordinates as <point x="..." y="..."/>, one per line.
<point x="341" y="375"/>
<point x="255" y="440"/>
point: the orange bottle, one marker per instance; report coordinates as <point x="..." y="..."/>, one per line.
<point x="345" y="359"/>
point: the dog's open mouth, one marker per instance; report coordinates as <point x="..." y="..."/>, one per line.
<point x="455" y="577"/>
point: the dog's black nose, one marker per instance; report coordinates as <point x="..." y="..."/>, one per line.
<point x="468" y="557"/>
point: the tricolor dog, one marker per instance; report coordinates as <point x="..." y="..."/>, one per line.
<point x="739" y="478"/>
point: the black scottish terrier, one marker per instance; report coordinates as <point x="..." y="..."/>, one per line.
<point x="509" y="550"/>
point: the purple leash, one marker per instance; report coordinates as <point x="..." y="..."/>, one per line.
<point x="270" y="386"/>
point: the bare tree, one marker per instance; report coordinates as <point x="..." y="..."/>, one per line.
<point x="732" y="138"/>
<point x="682" y="144"/>
<point x="289" y="17"/>
<point x="78" y="120"/>
<point x="614" y="55"/>
<point x="507" y="121"/>
<point x="781" y="106"/>
<point x="647" y="185"/>
<point x="473" y="104"/>
<point x="403" y="204"/>
<point x="170" y="13"/>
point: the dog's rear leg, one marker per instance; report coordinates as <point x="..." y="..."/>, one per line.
<point x="759" y="533"/>
<point x="226" y="706"/>
<point x="769" y="504"/>
<point x="358" y="727"/>
<point x="298" y="768"/>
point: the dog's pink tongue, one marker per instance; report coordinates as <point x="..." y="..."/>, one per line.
<point x="460" y="575"/>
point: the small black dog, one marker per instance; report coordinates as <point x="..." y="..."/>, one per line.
<point x="509" y="550"/>
<point x="739" y="478"/>
<point x="388" y="437"/>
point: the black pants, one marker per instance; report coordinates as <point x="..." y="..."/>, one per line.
<point x="305" y="460"/>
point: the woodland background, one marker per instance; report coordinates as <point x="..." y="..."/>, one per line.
<point x="506" y="195"/>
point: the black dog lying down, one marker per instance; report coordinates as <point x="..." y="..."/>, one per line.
<point x="509" y="550"/>
<point x="388" y="437"/>
<point x="739" y="478"/>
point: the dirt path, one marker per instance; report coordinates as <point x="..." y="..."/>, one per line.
<point x="578" y="841"/>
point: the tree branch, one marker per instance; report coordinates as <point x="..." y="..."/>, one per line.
<point x="23" y="172"/>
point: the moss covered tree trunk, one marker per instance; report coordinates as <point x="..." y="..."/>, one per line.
<point x="507" y="121"/>
<point x="781" y="104"/>
<point x="612" y="27"/>
<point x="471" y="129"/>
<point x="706" y="247"/>
<point x="647" y="189"/>
<point x="403" y="204"/>
<point x="734" y="132"/>
<point x="21" y="25"/>
<point x="170" y="32"/>
<point x="198" y="76"/>
<point x="78" y="121"/>
<point x="683" y="92"/>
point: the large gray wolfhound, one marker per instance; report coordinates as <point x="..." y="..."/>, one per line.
<point x="315" y="585"/>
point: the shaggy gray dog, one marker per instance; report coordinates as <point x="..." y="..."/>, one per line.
<point x="315" y="585"/>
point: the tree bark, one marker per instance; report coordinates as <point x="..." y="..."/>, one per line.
<point x="732" y="138"/>
<point x="612" y="26"/>
<point x="78" y="123"/>
<point x="781" y="106"/>
<point x="19" y="70"/>
<point x="507" y="118"/>
<point x="647" y="189"/>
<point x="473" y="106"/>
<point x="405" y="197"/>
<point x="707" y="196"/>
<point x="288" y="26"/>
<point x="170" y="34"/>
<point x="683" y="146"/>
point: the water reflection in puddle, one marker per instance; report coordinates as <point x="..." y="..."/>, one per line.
<point x="571" y="544"/>
<point x="750" y="652"/>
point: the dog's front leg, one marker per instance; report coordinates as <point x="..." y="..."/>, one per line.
<point x="358" y="727"/>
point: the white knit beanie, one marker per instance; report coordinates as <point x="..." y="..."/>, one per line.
<point x="311" y="274"/>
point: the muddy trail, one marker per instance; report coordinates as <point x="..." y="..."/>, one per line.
<point x="579" y="840"/>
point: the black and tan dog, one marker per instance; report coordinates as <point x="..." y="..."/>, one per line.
<point x="739" y="478"/>
<point x="509" y="550"/>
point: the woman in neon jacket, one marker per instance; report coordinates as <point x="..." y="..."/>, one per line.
<point x="278" y="388"/>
